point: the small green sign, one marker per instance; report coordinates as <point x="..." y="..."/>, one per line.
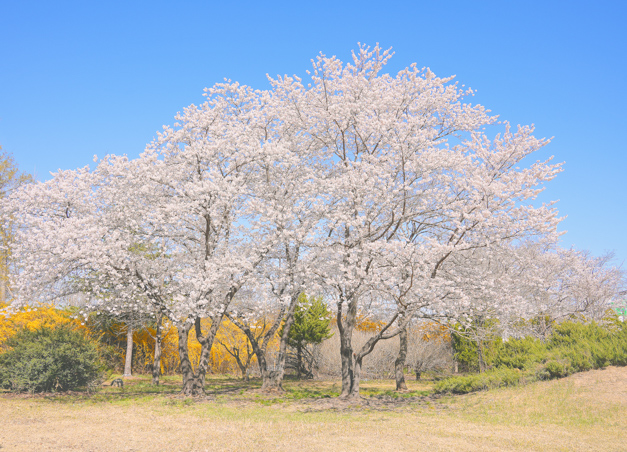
<point x="621" y="311"/>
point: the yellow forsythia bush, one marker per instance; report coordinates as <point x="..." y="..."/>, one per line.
<point x="113" y="338"/>
<point x="32" y="318"/>
<point x="432" y="331"/>
<point x="221" y="361"/>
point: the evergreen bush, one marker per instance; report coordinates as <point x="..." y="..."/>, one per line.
<point x="311" y="326"/>
<point x="49" y="359"/>
<point x="572" y="347"/>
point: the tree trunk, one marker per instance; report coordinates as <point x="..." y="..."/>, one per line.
<point x="399" y="364"/>
<point x="274" y="380"/>
<point x="156" y="365"/>
<point x="206" y="342"/>
<point x="235" y="353"/>
<point x="243" y="369"/>
<point x="352" y="362"/>
<point x="194" y="382"/>
<point x="129" y="351"/>
<point x="270" y="379"/>
<point x="193" y="387"/>
<point x="346" y="327"/>
<point x="299" y="360"/>
<point x="482" y="366"/>
<point x="354" y="392"/>
<point x="185" y="364"/>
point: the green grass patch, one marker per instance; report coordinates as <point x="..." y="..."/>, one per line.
<point x="300" y="393"/>
<point x="384" y="392"/>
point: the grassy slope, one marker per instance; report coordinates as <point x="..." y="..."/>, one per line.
<point x="586" y="411"/>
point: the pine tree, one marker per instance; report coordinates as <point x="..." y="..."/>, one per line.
<point x="311" y="326"/>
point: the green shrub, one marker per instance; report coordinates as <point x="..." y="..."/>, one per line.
<point x="556" y="369"/>
<point x="467" y="340"/>
<point x="571" y="347"/>
<point x="519" y="353"/>
<point x="617" y="348"/>
<point x="571" y="333"/>
<point x="578" y="355"/>
<point x="49" y="359"/>
<point x="494" y="378"/>
<point x="465" y="353"/>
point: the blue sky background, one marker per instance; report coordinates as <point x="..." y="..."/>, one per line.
<point x="85" y="78"/>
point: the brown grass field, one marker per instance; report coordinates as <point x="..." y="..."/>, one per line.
<point x="585" y="412"/>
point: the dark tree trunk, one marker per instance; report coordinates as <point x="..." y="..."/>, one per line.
<point x="194" y="382"/>
<point x="205" y="355"/>
<point x="206" y="342"/>
<point x="3" y="279"/>
<point x="275" y="378"/>
<point x="482" y="365"/>
<point x="185" y="364"/>
<point x="356" y="377"/>
<point x="299" y="360"/>
<point x="351" y="361"/>
<point x="481" y="322"/>
<point x="346" y="327"/>
<point x="243" y="369"/>
<point x="259" y="349"/>
<point x="129" y="352"/>
<point x="399" y="364"/>
<point x="156" y="365"/>
<point x="273" y="381"/>
<point x="272" y="378"/>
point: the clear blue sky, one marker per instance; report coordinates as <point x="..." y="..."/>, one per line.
<point x="83" y="78"/>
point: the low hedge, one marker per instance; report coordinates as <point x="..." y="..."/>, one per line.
<point x="572" y="347"/>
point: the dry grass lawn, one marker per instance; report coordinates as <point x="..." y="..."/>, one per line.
<point x="586" y="412"/>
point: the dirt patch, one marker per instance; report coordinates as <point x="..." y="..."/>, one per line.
<point x="378" y="403"/>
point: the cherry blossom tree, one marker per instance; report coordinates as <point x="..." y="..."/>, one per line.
<point x="566" y="283"/>
<point x="186" y="200"/>
<point x="213" y="205"/>
<point x="409" y="179"/>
